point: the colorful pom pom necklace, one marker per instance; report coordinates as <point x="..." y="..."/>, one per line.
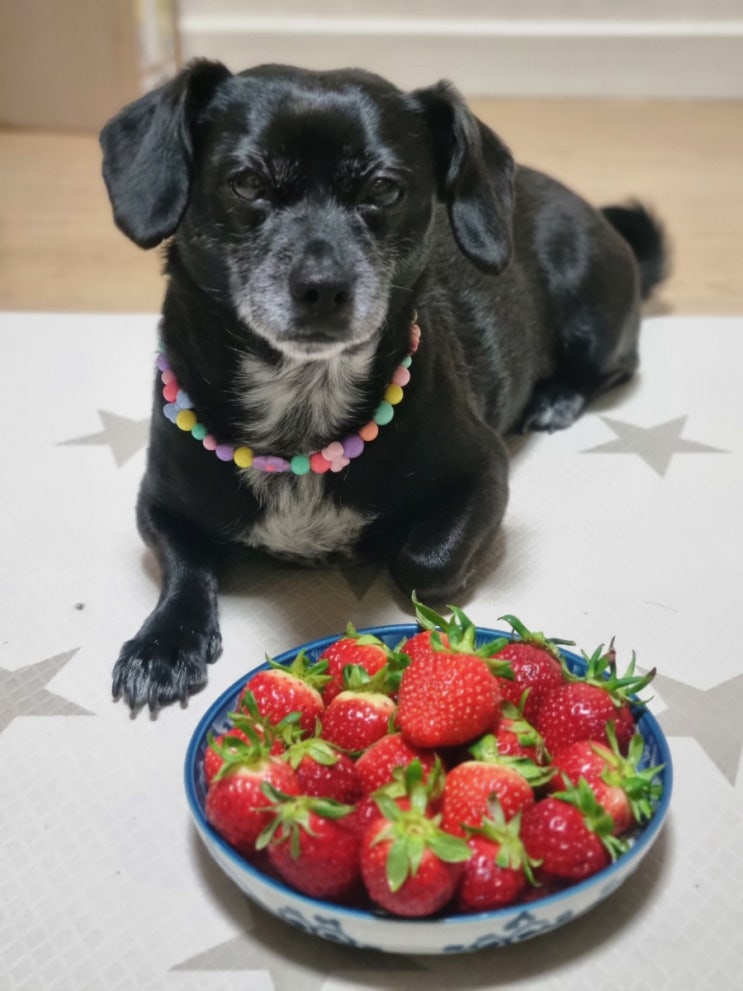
<point x="337" y="455"/>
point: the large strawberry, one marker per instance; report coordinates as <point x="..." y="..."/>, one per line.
<point x="448" y="694"/>
<point x="571" y="834"/>
<point x="409" y="865"/>
<point x="499" y="869"/>
<point x="581" y="708"/>
<point x="472" y="787"/>
<point x="235" y="804"/>
<point x="624" y="789"/>
<point x="283" y="689"/>
<point x="536" y="666"/>
<point x="308" y="845"/>
<point x="364" y="650"/>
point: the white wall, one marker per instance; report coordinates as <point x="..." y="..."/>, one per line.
<point x="620" y="48"/>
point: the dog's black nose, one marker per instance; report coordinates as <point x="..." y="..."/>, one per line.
<point x="319" y="284"/>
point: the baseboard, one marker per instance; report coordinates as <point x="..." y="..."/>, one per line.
<point x="634" y="59"/>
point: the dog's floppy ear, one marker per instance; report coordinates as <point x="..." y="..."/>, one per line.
<point x="474" y="171"/>
<point x="147" y="152"/>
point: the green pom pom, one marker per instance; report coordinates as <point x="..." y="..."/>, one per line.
<point x="384" y="413"/>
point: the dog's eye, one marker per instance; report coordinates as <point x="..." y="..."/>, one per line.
<point x="249" y="186"/>
<point x="383" y="192"/>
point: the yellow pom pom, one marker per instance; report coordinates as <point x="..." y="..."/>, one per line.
<point x="186" y="419"/>
<point x="393" y="394"/>
<point x="243" y="457"/>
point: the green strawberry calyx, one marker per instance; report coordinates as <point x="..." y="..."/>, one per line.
<point x="312" y="673"/>
<point x="595" y="816"/>
<point x="385" y="681"/>
<point x="640" y="785"/>
<point x="486" y="751"/>
<point x="410" y="832"/>
<point x="365" y="639"/>
<point x="461" y="634"/>
<point x="237" y="755"/>
<point x="314" y="747"/>
<point x="411" y="778"/>
<point x="259" y="728"/>
<point x="526" y="734"/>
<point x="511" y="853"/>
<point x="396" y="657"/>
<point x="601" y="672"/>
<point x="522" y="634"/>
<point x="292" y="816"/>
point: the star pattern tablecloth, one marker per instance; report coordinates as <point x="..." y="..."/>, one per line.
<point x="626" y="525"/>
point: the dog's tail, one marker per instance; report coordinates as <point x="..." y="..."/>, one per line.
<point x="645" y="235"/>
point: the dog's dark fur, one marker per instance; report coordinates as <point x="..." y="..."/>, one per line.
<point x="311" y="214"/>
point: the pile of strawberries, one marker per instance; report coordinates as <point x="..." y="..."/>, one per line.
<point x="440" y="775"/>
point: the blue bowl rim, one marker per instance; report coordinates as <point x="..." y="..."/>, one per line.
<point x="648" y="724"/>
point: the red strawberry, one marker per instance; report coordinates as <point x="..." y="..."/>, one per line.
<point x="581" y="708"/>
<point x="308" y="845"/>
<point x="364" y="650"/>
<point x="446" y="700"/>
<point x="571" y="834"/>
<point x="235" y="804"/>
<point x="627" y="793"/>
<point x="498" y="870"/>
<point x="448" y="694"/>
<point x="376" y="765"/>
<point x="324" y="772"/>
<point x="472" y="787"/>
<point x="362" y="713"/>
<point x="408" y="864"/>
<point x="281" y="690"/>
<point x="536" y="666"/>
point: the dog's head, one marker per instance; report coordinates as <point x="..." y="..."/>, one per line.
<point x="306" y="198"/>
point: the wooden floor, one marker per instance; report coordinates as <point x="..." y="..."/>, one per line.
<point x="59" y="249"/>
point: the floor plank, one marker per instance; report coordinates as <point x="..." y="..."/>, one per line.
<point x="59" y="249"/>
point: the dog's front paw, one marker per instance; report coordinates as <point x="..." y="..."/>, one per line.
<point x="432" y="578"/>
<point x="165" y="662"/>
<point x="553" y="406"/>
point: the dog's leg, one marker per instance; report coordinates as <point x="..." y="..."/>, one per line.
<point x="451" y="532"/>
<point x="167" y="659"/>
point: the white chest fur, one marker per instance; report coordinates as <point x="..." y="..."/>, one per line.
<point x="299" y="521"/>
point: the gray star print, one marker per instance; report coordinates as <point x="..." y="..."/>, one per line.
<point x="655" y="445"/>
<point x="297" y="961"/>
<point x="711" y="716"/>
<point x="125" y="437"/>
<point x="361" y="577"/>
<point x="22" y="692"/>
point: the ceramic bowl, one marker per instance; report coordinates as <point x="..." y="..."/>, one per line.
<point x="377" y="930"/>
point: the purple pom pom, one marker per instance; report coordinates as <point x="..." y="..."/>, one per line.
<point x="353" y="446"/>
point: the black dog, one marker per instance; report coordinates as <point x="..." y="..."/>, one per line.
<point x="312" y="216"/>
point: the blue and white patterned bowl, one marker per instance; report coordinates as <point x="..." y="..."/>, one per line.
<point x="450" y="934"/>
